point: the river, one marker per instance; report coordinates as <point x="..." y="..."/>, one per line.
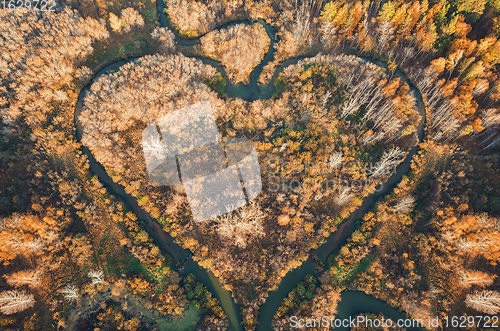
<point x="352" y="301"/>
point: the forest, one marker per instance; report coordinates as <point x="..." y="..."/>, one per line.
<point x="260" y="243"/>
<point x="74" y="256"/>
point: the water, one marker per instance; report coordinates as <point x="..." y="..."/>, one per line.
<point x="356" y="302"/>
<point x="352" y="301"/>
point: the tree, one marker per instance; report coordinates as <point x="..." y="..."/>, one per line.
<point x="405" y="205"/>
<point x="18" y="235"/>
<point x="13" y="301"/>
<point x="242" y="226"/>
<point x="474" y="277"/>
<point x="325" y="302"/>
<point x="131" y="19"/>
<point x="25" y="277"/>
<point x="239" y="48"/>
<point x="70" y="293"/>
<point x="335" y="160"/>
<point x="471" y="6"/>
<point x="452" y="61"/>
<point x="96" y="276"/>
<point x="389" y="160"/>
<point x="115" y="22"/>
<point x="487" y="302"/>
<point x="166" y="39"/>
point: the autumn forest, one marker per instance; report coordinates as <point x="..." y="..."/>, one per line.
<point x="376" y="125"/>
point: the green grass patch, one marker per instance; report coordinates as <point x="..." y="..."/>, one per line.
<point x="347" y="274"/>
<point x="217" y="84"/>
<point x="280" y="85"/>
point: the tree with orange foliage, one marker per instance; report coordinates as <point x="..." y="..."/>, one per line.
<point x="477" y="235"/>
<point x="22" y="234"/>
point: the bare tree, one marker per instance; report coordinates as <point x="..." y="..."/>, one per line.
<point x="481" y="87"/>
<point x="490" y="117"/>
<point x="283" y="147"/>
<point x="474" y="277"/>
<point x="404" y="205"/>
<point x="25" y="277"/>
<point x="443" y="119"/>
<point x="385" y="32"/>
<point x="13" y="301"/>
<point x="359" y="94"/>
<point x="327" y="31"/>
<point x="70" y="293"/>
<point x="13" y="222"/>
<point x="390" y="159"/>
<point x="303" y="21"/>
<point x="96" y="276"/>
<point x="325" y="98"/>
<point x="491" y="121"/>
<point x="242" y="226"/>
<point x="487" y="302"/>
<point x="51" y="236"/>
<point x="302" y="26"/>
<point x="471" y="247"/>
<point x="155" y="146"/>
<point x="35" y="245"/>
<point x="344" y="195"/>
<point x="335" y="160"/>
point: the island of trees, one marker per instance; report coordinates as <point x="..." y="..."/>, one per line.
<point x="239" y="48"/>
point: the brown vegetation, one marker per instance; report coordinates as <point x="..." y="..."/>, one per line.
<point x="57" y="221"/>
<point x="249" y="246"/>
<point x="438" y="254"/>
<point x="239" y="48"/>
<point x="431" y="246"/>
<point x="194" y="18"/>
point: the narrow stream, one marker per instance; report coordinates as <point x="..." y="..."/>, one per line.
<point x="160" y="238"/>
<point x="165" y="242"/>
